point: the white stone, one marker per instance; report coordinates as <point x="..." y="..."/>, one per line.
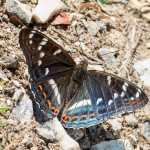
<point x="107" y="54"/>
<point x="3" y="76"/>
<point x="46" y="131"/>
<point x="116" y="126"/>
<point x="18" y="94"/>
<point x="143" y="69"/>
<point x="121" y="144"/>
<point x="46" y="9"/>
<point x="146" y="130"/>
<point x="24" y="110"/>
<point x="22" y="11"/>
<point x="66" y="142"/>
<point x="131" y="120"/>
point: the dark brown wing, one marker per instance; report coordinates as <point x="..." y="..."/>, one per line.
<point x="49" y="67"/>
<point x="111" y="95"/>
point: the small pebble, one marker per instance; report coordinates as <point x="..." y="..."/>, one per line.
<point x="146" y="130"/>
<point x="10" y="62"/>
<point x="85" y="143"/>
<point x="3" y="76"/>
<point x="95" y="26"/>
<point x="49" y="8"/>
<point x="121" y="144"/>
<point x="109" y="135"/>
<point x="46" y="132"/>
<point x="24" y="110"/>
<point x="143" y="69"/>
<point x="9" y="102"/>
<point x="131" y="120"/>
<point x="66" y="142"/>
<point x="18" y="94"/>
<point x="22" y="11"/>
<point x="116" y="126"/>
<point x="107" y="54"/>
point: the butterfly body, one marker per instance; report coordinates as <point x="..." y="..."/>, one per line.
<point x="79" y="97"/>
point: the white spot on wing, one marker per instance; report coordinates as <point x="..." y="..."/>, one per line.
<point x="110" y="102"/>
<point x="122" y="94"/>
<point x="124" y="88"/>
<point x="30" y="41"/>
<point x="44" y="41"/>
<point x="80" y="104"/>
<point x="126" y="84"/>
<point x="31" y="35"/>
<point x="39" y="63"/>
<point x="115" y="95"/>
<point x="55" y="88"/>
<point x="42" y="54"/>
<point x="39" y="48"/>
<point x="46" y="71"/>
<point x="33" y="31"/>
<point x="109" y="80"/>
<point x="99" y="100"/>
<point x="57" y="52"/>
<point x="137" y="94"/>
<point x="140" y="91"/>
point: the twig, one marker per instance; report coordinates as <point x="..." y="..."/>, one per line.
<point x="93" y="60"/>
<point x="134" y="34"/>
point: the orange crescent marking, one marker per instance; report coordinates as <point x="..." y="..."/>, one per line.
<point x="92" y="115"/>
<point x="64" y="118"/>
<point x="74" y="118"/>
<point x="49" y="103"/>
<point x="40" y="87"/>
<point x="83" y="116"/>
<point x="44" y="94"/>
<point x="134" y="102"/>
<point x="55" y="111"/>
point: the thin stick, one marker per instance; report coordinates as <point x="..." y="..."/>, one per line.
<point x="134" y="34"/>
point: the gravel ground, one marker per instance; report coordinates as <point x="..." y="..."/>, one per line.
<point x="122" y="29"/>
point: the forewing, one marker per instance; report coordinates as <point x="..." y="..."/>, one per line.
<point x="111" y="95"/>
<point x="45" y="58"/>
<point x="79" y="112"/>
<point x="50" y="68"/>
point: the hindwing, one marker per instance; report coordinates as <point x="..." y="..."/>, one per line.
<point x="111" y="95"/>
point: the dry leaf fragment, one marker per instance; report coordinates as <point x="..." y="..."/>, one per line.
<point x="62" y="18"/>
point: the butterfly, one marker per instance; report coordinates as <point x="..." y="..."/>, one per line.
<point x="79" y="97"/>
